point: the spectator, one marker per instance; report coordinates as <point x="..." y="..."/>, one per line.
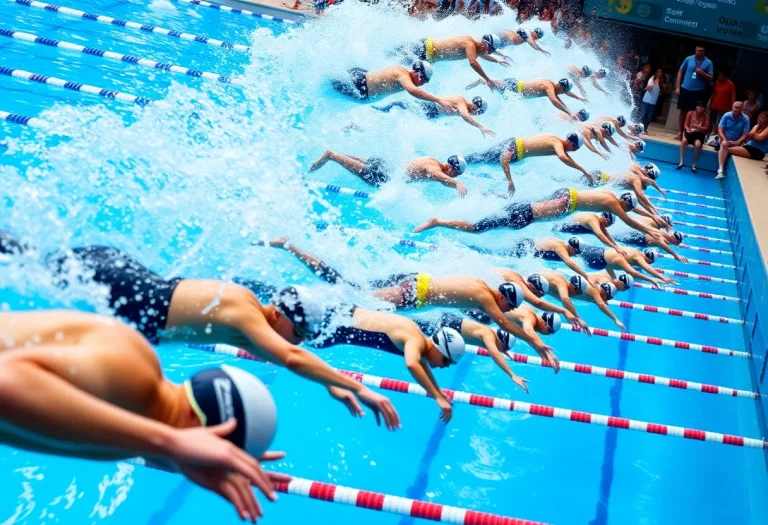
<point x="752" y="106"/>
<point x="652" y="91"/>
<point x="733" y="131"/>
<point x="756" y="144"/>
<point x="696" y="128"/>
<point x="723" y="97"/>
<point x="638" y="87"/>
<point x="693" y="79"/>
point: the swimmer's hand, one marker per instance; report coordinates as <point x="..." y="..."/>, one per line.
<point x="280" y="242"/>
<point x="446" y="408"/>
<point x="656" y="284"/>
<point x="381" y="406"/>
<point x="348" y="399"/>
<point x="578" y="323"/>
<point x="621" y="325"/>
<point x="622" y="252"/>
<point x="669" y="281"/>
<point x="486" y="131"/>
<point x="521" y="382"/>
<point x="594" y="282"/>
<point x="505" y="63"/>
<point x="206" y="458"/>
<point x="510" y="188"/>
<point x="448" y="106"/>
<point x="547" y="355"/>
<point x="661" y="223"/>
<point x="603" y="155"/>
<point x="461" y="189"/>
<point x="681" y="259"/>
<point x="496" y="85"/>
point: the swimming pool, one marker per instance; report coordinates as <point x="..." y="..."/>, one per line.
<point x="188" y="183"/>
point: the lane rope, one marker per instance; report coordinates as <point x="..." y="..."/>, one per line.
<point x="704" y="237"/>
<point x="702" y="249"/>
<point x="695" y="195"/>
<point x="696" y="261"/>
<point x="674" y="312"/>
<point x="691" y="214"/>
<point x="133" y="25"/>
<point x="23" y="120"/>
<point x="704" y="227"/>
<point x="658" y="341"/>
<point x="118" y="57"/>
<point x="687" y="203"/>
<point x="75" y="86"/>
<point x="678" y="291"/>
<point x="377" y="501"/>
<point x="227" y="9"/>
<point x="696" y="276"/>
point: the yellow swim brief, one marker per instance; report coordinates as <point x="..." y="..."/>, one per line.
<point x="573" y="201"/>
<point x="422" y="289"/>
<point x="429" y="44"/>
<point x="520" y="148"/>
<point x="520" y="86"/>
<point x="604" y="177"/>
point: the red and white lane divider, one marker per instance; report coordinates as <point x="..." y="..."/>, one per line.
<point x="705" y="250"/>
<point x="696" y="261"/>
<point x="499" y="403"/>
<point x="703" y="227"/>
<point x="687" y="203"/>
<point x="660" y="342"/>
<point x="377" y="501"/>
<point x="696" y="276"/>
<point x="621" y="374"/>
<point x="704" y="237"/>
<point x="679" y="212"/>
<point x="679" y="291"/>
<point x="674" y="312"/>
<point x="695" y="195"/>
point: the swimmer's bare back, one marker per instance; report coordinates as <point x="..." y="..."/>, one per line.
<point x="539" y="145"/>
<point x="387" y="80"/>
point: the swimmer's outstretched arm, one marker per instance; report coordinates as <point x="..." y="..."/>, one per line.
<point x="491" y="58"/>
<point x="591" y="147"/>
<point x="632" y="223"/>
<point x="563" y="254"/>
<point x="641" y="262"/>
<point x="555" y="100"/>
<point x="652" y="182"/>
<point x="422" y="373"/>
<point x="577" y="97"/>
<point x="415" y="91"/>
<point x="624" y="134"/>
<point x="477" y="331"/>
<point x="667" y="248"/>
<point x="445" y="180"/>
<point x="612" y="141"/>
<point x="628" y="268"/>
<point x="598" y="86"/>
<point x="642" y="199"/>
<point x="471" y="120"/>
<point x="594" y="294"/>
<point x="604" y="235"/>
<point x="601" y="140"/>
<point x="568" y="161"/>
<point x="317" y="265"/>
<point x="476" y="83"/>
<point x="577" y="81"/>
<point x="537" y="47"/>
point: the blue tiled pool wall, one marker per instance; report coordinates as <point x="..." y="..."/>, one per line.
<point x="751" y="272"/>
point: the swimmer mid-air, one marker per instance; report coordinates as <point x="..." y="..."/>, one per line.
<point x="578" y="73"/>
<point x="516" y="149"/>
<point x="375" y="171"/>
<point x="522" y="36"/>
<point x="633" y="180"/>
<point x="86" y="386"/>
<point x="610" y="260"/>
<point x="363" y="85"/>
<point x="431" y="110"/>
<point x="594" y="223"/>
<point x="663" y="241"/>
<point x="538" y="88"/>
<point x="601" y="133"/>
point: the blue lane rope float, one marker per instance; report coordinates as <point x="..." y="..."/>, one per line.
<point x="323" y="225"/>
<point x="332" y="188"/>
<point x="133" y="25"/>
<point x="22" y="120"/>
<point x="119" y="57"/>
<point x="75" y="86"/>
<point x="235" y="11"/>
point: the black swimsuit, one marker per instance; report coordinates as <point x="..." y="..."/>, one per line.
<point x="349" y="335"/>
<point x="492" y="155"/>
<point x="514" y="216"/>
<point x="571" y="227"/>
<point x="594" y="257"/>
<point x="632" y="238"/>
<point x="376" y="171"/>
<point x="446" y="320"/>
<point x="549" y="255"/>
<point x="355" y="86"/>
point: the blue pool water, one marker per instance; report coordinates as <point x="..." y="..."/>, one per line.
<point x="188" y="183"/>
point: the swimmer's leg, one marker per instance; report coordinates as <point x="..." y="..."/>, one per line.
<point x="552" y="208"/>
<point x="354" y="165"/>
<point x="455" y="224"/>
<point x="391" y="294"/>
<point x="388" y="107"/>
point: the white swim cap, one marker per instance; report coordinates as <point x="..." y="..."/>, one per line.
<point x="586" y="70"/>
<point x="640" y="145"/>
<point x="627" y="280"/>
<point x="458" y="163"/>
<point x="652" y="170"/>
<point x="539" y="283"/>
<point x="667" y="218"/>
<point x="575" y="243"/>
<point x="609" y="217"/>
<point x="492" y="41"/>
<point x="575" y="139"/>
<point x="506" y="338"/>
<point x="566" y="84"/>
<point x="513" y="293"/>
<point x="579" y="282"/>
<point x="219" y="394"/>
<point x="609" y="289"/>
<point x="621" y="120"/>
<point x="583" y="115"/>
<point x="423" y="68"/>
<point x="552" y="321"/>
<point x="299" y="306"/>
<point x="639" y="128"/>
<point x="449" y="343"/>
<point x="522" y="33"/>
<point x="677" y="235"/>
<point x="480" y="104"/>
<point x="650" y="256"/>
<point x="609" y="127"/>
<point x="602" y="71"/>
<point x="629" y="198"/>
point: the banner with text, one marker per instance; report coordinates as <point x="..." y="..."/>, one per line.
<point x="737" y="21"/>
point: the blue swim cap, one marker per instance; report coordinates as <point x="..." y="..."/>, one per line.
<point x="586" y="70"/>
<point x="583" y="115"/>
<point x="513" y="293"/>
<point x="609" y="127"/>
<point x="458" y="163"/>
<point x="630" y="199"/>
<point x="575" y="139"/>
<point x="539" y="283"/>
<point x="566" y="84"/>
<point x="480" y="104"/>
<point x="622" y="121"/>
<point x="650" y="256"/>
<point x="539" y="32"/>
<point x="602" y="71"/>
<point x="578" y="282"/>
<point x="552" y="321"/>
<point x="609" y="289"/>
<point x="522" y="33"/>
<point x="423" y="68"/>
<point x="492" y="41"/>
<point x="639" y="129"/>
<point x="610" y="218"/>
<point x="575" y="243"/>
<point x="677" y="235"/>
<point x="627" y="280"/>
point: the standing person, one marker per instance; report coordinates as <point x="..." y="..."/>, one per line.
<point x="696" y="128"/>
<point x="652" y="91"/>
<point x="733" y="131"/>
<point x="752" y="106"/>
<point x="693" y="79"/>
<point x="638" y="87"/>
<point x="723" y="97"/>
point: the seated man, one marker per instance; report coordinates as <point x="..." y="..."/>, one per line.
<point x="457" y="48"/>
<point x="579" y="73"/>
<point x="363" y="85"/>
<point x="538" y="88"/>
<point x="85" y="386"/>
<point x="516" y="149"/>
<point x="561" y="203"/>
<point x="520" y="36"/>
<point x="203" y="311"/>
<point x="734" y="133"/>
<point x="431" y="110"/>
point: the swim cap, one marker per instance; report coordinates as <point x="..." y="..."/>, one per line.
<point x="449" y="343"/>
<point x="627" y="280"/>
<point x="552" y="320"/>
<point x="579" y="282"/>
<point x="609" y="289"/>
<point x="492" y="41"/>
<point x="651" y="166"/>
<point x="667" y="218"/>
<point x="583" y="115"/>
<point x="302" y="313"/>
<point x="610" y="218"/>
<point x="522" y="33"/>
<point x="629" y="198"/>
<point x="609" y="127"/>
<point x="539" y="32"/>
<point x="575" y="243"/>
<point x="652" y="171"/>
<point x="423" y="68"/>
<point x="677" y="235"/>
<point x="458" y="163"/>
<point x="602" y="71"/>
<point x="506" y="338"/>
<point x="566" y="84"/>
<point x="575" y="139"/>
<point x="539" y="283"/>
<point x="219" y="394"/>
<point x="480" y="104"/>
<point x="621" y="120"/>
<point x="650" y="256"/>
<point x="513" y="293"/>
<point x="586" y="70"/>
<point x="640" y="145"/>
<point x="639" y="128"/>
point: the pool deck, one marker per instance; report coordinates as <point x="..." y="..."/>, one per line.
<point x="276" y="8"/>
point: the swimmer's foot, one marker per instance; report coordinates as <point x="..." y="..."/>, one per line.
<point x="431" y="223"/>
<point x="280" y="242"/>
<point x="319" y="163"/>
